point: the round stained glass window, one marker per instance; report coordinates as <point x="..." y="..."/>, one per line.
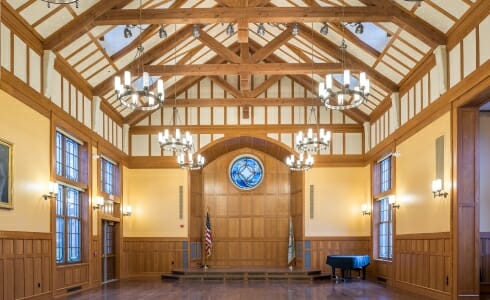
<point x="246" y="172"/>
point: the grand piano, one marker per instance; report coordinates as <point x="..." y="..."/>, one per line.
<point x="347" y="263"/>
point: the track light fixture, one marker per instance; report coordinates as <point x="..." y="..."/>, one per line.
<point x="127" y="32"/>
<point x="162" y="33"/>
<point x="261" y="29"/>
<point x="196" y="31"/>
<point x="295" y="30"/>
<point x="324" y="29"/>
<point x="230" y="30"/>
<point x="61" y="2"/>
<point x="360" y="28"/>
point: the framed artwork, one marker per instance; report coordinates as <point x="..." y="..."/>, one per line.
<point x="5" y="174"/>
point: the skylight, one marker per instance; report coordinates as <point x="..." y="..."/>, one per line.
<point x="114" y="40"/>
<point x="372" y="35"/>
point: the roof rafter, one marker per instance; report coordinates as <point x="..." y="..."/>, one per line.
<point x="276" y="43"/>
<point x="217" y="47"/>
<point x="81" y="25"/>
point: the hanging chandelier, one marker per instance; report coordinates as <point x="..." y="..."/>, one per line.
<point x="176" y="143"/>
<point x="350" y="94"/>
<point x="143" y="98"/>
<point x="299" y="164"/>
<point x="190" y="163"/>
<point x="139" y="96"/>
<point x="312" y="142"/>
<point x="61" y="2"/>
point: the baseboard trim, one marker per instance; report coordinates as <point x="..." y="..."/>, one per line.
<point x="420" y="290"/>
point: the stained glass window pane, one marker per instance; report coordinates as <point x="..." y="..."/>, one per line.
<point x="246" y="172"/>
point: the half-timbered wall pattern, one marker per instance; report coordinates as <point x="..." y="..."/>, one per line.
<point x="222" y="121"/>
<point x="26" y="63"/>
<point x="467" y="55"/>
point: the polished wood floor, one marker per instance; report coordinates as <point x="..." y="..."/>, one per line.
<point x="137" y="289"/>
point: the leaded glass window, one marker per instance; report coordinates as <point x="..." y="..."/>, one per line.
<point x="385" y="229"/>
<point x="68" y="225"/>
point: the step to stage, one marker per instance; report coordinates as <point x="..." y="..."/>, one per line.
<point x="246" y="274"/>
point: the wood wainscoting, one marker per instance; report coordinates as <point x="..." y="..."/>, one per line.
<point x="25" y="265"/>
<point x="485" y="262"/>
<point x="152" y="256"/>
<point x="316" y="249"/>
<point x="422" y="264"/>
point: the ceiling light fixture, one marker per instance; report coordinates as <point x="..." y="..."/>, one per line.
<point x="261" y="29"/>
<point x="359" y="28"/>
<point x="312" y="142"/>
<point x="189" y="162"/>
<point x="139" y="96"/>
<point x="299" y="164"/>
<point x="230" y="30"/>
<point x="196" y="31"/>
<point x="176" y="143"/>
<point x="348" y="95"/>
<point x="295" y="30"/>
<point x="61" y="2"/>
<point x="324" y="29"/>
<point x="127" y="32"/>
<point x="162" y="33"/>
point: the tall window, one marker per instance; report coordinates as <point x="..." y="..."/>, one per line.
<point x="68" y="201"/>
<point x="383" y="218"/>
<point x="108" y="173"/>
<point x="68" y="225"/>
<point x="385" y="229"/>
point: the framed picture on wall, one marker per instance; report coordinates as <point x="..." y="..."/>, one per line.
<point x="5" y="174"/>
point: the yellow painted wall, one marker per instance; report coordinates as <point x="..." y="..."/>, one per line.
<point x="28" y="131"/>
<point x="415" y="170"/>
<point x="338" y="196"/>
<point x="484" y="171"/>
<point x="154" y="197"/>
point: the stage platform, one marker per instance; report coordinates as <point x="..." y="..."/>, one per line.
<point x="245" y="273"/>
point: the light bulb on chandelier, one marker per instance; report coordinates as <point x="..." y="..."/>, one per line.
<point x="312" y="142"/>
<point x="190" y="163"/>
<point x="299" y="164"/>
<point x="348" y="95"/>
<point x="177" y="143"/>
<point x="139" y="99"/>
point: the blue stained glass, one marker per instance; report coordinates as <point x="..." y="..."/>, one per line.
<point x="246" y="172"/>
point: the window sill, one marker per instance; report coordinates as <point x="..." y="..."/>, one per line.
<point x="383" y="260"/>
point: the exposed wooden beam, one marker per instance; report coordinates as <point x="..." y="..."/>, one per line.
<point x="242" y="101"/>
<point x="223" y="69"/>
<point x="252" y="14"/>
<point x="355" y="39"/>
<point x="81" y="25"/>
<point x="148" y="57"/>
<point x="225" y="85"/>
<point x="351" y="61"/>
<point x="268" y="49"/>
<point x="218" y="47"/>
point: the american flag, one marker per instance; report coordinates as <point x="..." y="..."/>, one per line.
<point x="208" y="243"/>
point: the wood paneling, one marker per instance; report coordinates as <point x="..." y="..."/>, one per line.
<point x="321" y="247"/>
<point x="152" y="256"/>
<point x="485" y="258"/>
<point x="25" y="264"/>
<point x="250" y="228"/>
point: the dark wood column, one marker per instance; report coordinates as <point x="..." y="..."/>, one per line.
<point x="465" y="208"/>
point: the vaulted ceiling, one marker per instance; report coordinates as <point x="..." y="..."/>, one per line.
<point x="398" y="37"/>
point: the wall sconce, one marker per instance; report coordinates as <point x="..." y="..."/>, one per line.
<point x="127" y="211"/>
<point x="99" y="202"/>
<point x="437" y="190"/>
<point x="53" y="191"/>
<point x="364" y="210"/>
<point x="392" y="202"/>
